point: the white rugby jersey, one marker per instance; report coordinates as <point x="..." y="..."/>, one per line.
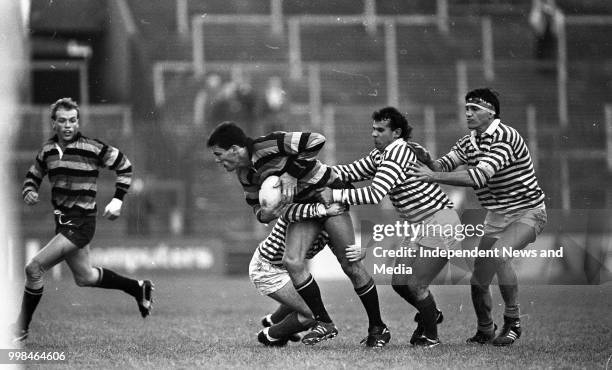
<point x="500" y="166"/>
<point x="414" y="201"/>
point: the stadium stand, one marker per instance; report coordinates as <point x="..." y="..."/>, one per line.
<point x="344" y="69"/>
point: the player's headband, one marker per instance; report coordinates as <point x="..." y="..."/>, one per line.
<point x="480" y="103"/>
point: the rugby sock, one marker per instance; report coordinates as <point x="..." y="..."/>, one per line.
<point x="281" y="312"/>
<point x="290" y="325"/>
<point x="311" y="294"/>
<point x="429" y="315"/>
<point x="512" y="312"/>
<point x="483" y="303"/>
<point x="111" y="280"/>
<point x="31" y="298"/>
<point x="510" y="295"/>
<point x="369" y="298"/>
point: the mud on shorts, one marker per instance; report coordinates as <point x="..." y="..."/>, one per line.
<point x="267" y="277"/>
<point x="78" y="229"/>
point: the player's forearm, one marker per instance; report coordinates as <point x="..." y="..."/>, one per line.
<point x="456" y="178"/>
<point x="354" y="197"/>
<point x="297" y="212"/>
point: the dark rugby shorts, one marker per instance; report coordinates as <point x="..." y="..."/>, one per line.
<point x="78" y="229"/>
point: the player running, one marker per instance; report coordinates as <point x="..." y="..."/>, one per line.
<point x="72" y="163"/>
<point x="292" y="155"/>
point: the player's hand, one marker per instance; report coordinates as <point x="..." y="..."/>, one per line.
<point x="355" y="253"/>
<point x="31" y="198"/>
<point x="288" y="186"/>
<point x="325" y="197"/>
<point x="417" y="171"/>
<point x="421" y="153"/>
<point x="335" y="209"/>
<point x="113" y="209"/>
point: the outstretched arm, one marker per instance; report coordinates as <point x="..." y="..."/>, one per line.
<point x="388" y="174"/>
<point x="360" y="170"/>
<point x="296" y="212"/>
<point x="421" y="172"/>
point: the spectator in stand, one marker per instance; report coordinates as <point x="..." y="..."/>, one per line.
<point x="275" y="104"/>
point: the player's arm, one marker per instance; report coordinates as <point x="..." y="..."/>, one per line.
<point x="388" y="174"/>
<point x="360" y="170"/>
<point x="296" y="212"/>
<point x="499" y="156"/>
<point x="302" y="148"/>
<point x="115" y="160"/>
<point x="33" y="179"/>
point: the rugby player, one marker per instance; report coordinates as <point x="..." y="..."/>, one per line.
<point x="292" y="155"/>
<point x="72" y="162"/>
<point x="500" y="170"/>
<point x="271" y="278"/>
<point x="416" y="202"/>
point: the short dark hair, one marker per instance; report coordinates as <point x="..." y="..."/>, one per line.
<point x="488" y="95"/>
<point x="227" y="134"/>
<point x="396" y="120"/>
<point x="66" y="104"/>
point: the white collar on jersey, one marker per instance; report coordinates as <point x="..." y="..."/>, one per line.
<point x="489" y="131"/>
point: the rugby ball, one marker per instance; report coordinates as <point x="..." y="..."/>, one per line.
<point x="269" y="195"/>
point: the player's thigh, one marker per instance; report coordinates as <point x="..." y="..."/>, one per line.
<point x="288" y="296"/>
<point x="516" y="236"/>
<point x="300" y="236"/>
<point x="341" y="232"/>
<point x="56" y="250"/>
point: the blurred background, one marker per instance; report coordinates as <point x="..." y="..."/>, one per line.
<point x="153" y="77"/>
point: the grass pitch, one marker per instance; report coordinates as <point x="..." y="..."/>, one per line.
<point x="211" y="322"/>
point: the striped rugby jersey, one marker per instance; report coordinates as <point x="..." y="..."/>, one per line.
<point x="73" y="173"/>
<point x="272" y="248"/>
<point x="500" y="166"/>
<point x="413" y="200"/>
<point x="279" y="152"/>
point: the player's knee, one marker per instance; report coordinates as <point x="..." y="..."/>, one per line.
<point x="419" y="291"/>
<point x="479" y="282"/>
<point x="351" y="268"/>
<point x="34" y="270"/>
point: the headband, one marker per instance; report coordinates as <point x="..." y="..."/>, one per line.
<point x="480" y="103"/>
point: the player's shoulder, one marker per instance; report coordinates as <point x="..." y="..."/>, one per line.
<point x="274" y="135"/>
<point x="397" y="148"/>
<point x="506" y="133"/>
